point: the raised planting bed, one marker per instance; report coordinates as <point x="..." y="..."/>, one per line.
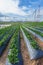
<point x="5" y="40"/>
<point x="37" y="31"/>
<point x="33" y="49"/>
<point x="4" y="44"/>
<point x="32" y="41"/>
<point x="34" y="34"/>
<point x="7" y="33"/>
<point x="39" y="28"/>
<point x="4" y="31"/>
<point x="14" y="54"/>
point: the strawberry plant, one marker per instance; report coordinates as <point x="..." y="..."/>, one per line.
<point x="13" y="55"/>
<point x="32" y="41"/>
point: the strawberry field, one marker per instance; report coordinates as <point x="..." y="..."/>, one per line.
<point x="11" y="36"/>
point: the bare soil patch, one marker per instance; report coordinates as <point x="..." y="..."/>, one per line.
<point x="40" y="43"/>
<point x="4" y="56"/>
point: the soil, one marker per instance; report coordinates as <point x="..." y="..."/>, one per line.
<point x="25" y="55"/>
<point x="4" y="56"/>
<point x="40" y="43"/>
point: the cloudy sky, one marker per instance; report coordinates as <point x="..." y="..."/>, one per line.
<point x="21" y="9"/>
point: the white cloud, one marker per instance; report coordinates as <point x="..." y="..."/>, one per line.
<point x="10" y="6"/>
<point x="24" y="8"/>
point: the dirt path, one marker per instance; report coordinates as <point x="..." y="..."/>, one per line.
<point x="4" y="56"/>
<point x="40" y="43"/>
<point x="26" y="58"/>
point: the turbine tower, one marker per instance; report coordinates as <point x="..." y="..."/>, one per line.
<point x="38" y="14"/>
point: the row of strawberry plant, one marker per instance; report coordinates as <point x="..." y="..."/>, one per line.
<point x="34" y="44"/>
<point x="33" y="49"/>
<point x="14" y="55"/>
<point x="39" y="28"/>
<point x="41" y="34"/>
<point x="9" y="32"/>
<point x="5" y="40"/>
<point x="36" y="31"/>
<point x="4" y="31"/>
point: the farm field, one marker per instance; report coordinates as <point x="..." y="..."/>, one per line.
<point x="21" y="43"/>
